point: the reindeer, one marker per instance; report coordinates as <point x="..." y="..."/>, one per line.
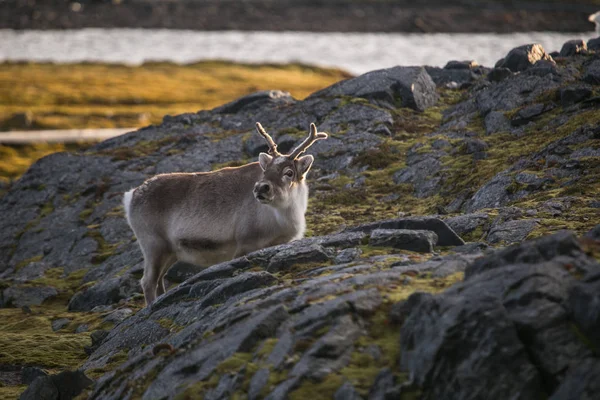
<point x="209" y="217"/>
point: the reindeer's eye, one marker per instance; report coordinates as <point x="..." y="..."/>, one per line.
<point x="289" y="173"/>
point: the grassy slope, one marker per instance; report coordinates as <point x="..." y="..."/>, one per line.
<point x="55" y="96"/>
<point x="59" y="96"/>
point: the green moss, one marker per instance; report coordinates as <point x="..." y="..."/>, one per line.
<point x="85" y="213"/>
<point x="317" y="390"/>
<point x="113" y="363"/>
<point x="11" y="392"/>
<point x="169" y="324"/>
<point x="105" y="249"/>
<point x="267" y="347"/>
<point x="378" y="158"/>
<point x="234" y="363"/>
<point x="197" y="390"/>
<point x="28" y="261"/>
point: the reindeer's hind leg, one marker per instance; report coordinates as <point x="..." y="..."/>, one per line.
<point x="155" y="256"/>
<point x="167" y="263"/>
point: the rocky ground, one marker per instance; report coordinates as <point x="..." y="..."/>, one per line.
<point x="303" y="15"/>
<point x="452" y="249"/>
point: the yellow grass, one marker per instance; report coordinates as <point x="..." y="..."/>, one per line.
<point x="59" y="96"/>
<point x="72" y="96"/>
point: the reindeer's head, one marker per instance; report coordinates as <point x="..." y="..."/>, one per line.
<point x="283" y="172"/>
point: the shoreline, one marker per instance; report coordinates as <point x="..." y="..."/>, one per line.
<point x="312" y="16"/>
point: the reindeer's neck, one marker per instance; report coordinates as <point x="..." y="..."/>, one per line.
<point x="291" y="218"/>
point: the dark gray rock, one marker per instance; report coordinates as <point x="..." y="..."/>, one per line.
<point x="313" y="253"/>
<point x="581" y="383"/>
<point x="117" y="316"/>
<point x="42" y="388"/>
<point x="474" y="146"/>
<point x="573" y="47"/>
<point x="498" y="74"/>
<point x="574" y="94"/>
<point x="71" y="383"/>
<point x="414" y="240"/>
<point x="82" y="328"/>
<point x="514" y="92"/>
<point x="523" y="57"/>
<point x="347" y="392"/>
<point x="592" y="73"/>
<point x="584" y="303"/>
<point x="511" y="231"/>
<point x="467" y="223"/>
<point x="461" y="64"/>
<point x="471" y="248"/>
<point x="410" y="86"/>
<point x="384" y="382"/>
<point x="29" y="374"/>
<point x="422" y="174"/>
<point x="527" y="114"/>
<point x="594" y="44"/>
<point x="26" y="296"/>
<point x="492" y="194"/>
<point x="348" y="255"/>
<point x="594" y="233"/>
<point x="31" y="271"/>
<point x="256" y="101"/>
<point x="97" y="337"/>
<point x="446" y="236"/>
<point x="496" y="122"/>
<point x="534" y="251"/>
<point x="105" y="292"/>
<point x="257" y="383"/>
<point x="63" y="386"/>
<point x="60" y="323"/>
<point x="462" y="328"/>
<point x="457" y="76"/>
<point x="180" y="271"/>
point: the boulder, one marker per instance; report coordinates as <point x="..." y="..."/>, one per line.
<point x="256" y="101"/>
<point x="524" y="57"/>
<point x="511" y="231"/>
<point x="63" y="386"/>
<point x="26" y="296"/>
<point x="409" y="86"/>
<point x="446" y="236"/>
<point x="594" y="44"/>
<point x="29" y="374"/>
<point x="591" y="73"/>
<point x="60" y="323"/>
<point x="413" y="240"/>
<point x="573" y="47"/>
<point x="495" y="122"/>
<point x="467" y="223"/>
<point x="574" y="94"/>
<point x="106" y="292"/>
<point x="498" y="74"/>
<point x="501" y="319"/>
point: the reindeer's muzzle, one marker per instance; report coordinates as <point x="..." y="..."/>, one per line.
<point x="263" y="192"/>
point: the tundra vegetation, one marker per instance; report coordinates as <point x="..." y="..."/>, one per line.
<point x="37" y="96"/>
<point x="504" y="159"/>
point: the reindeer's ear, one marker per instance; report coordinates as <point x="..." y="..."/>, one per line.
<point x="264" y="159"/>
<point x="304" y="163"/>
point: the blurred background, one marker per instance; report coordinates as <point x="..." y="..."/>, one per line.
<point x="75" y="72"/>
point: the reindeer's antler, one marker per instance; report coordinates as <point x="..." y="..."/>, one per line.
<point x="312" y="137"/>
<point x="272" y="145"/>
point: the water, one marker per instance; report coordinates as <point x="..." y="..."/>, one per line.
<point x="354" y="52"/>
